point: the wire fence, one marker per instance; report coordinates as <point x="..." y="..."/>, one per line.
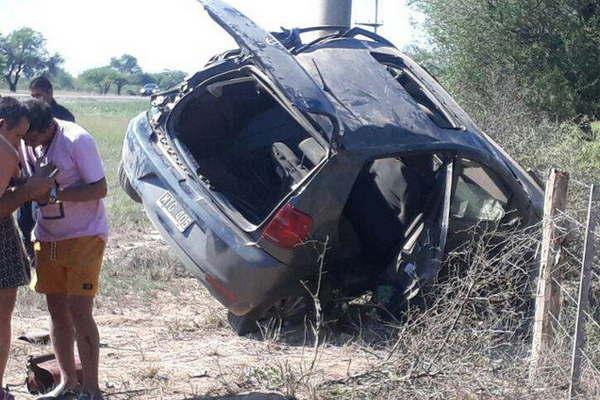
<point x="571" y="356"/>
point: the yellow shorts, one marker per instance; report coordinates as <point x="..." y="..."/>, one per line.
<point x="70" y="267"/>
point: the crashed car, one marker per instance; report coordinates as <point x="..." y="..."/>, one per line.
<point x="280" y="151"/>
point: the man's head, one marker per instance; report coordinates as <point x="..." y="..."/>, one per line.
<point x="42" y="124"/>
<point x="41" y="88"/>
<point x="14" y="120"/>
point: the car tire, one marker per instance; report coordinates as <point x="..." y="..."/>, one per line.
<point x="126" y="185"/>
<point x="291" y="309"/>
<point x="241" y="325"/>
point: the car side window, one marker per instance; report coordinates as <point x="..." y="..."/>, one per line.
<point x="479" y="194"/>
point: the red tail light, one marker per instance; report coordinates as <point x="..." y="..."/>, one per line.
<point x="288" y="228"/>
<point x="220" y="288"/>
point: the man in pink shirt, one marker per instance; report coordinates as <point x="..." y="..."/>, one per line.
<point x="70" y="235"/>
<point x="14" y="265"/>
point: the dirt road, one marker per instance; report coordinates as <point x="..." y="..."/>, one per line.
<point x="174" y="343"/>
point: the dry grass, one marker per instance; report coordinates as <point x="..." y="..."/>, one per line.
<point x="164" y="337"/>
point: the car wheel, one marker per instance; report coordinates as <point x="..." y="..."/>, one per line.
<point x="241" y="325"/>
<point x="290" y="309"/>
<point x="126" y="185"/>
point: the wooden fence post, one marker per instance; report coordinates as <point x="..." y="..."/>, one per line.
<point x="547" y="305"/>
<point x="585" y="282"/>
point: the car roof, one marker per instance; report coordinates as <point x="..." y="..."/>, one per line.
<point x="375" y="109"/>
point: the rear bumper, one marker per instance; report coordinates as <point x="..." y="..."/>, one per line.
<point x="242" y="276"/>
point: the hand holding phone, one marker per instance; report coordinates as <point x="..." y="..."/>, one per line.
<point x="46" y="169"/>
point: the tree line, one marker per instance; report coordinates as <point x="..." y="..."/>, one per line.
<point x="23" y="55"/>
<point x="548" y="49"/>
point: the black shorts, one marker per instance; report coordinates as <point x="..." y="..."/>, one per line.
<point x="14" y="264"/>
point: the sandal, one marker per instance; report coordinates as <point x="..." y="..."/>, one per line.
<point x="87" y="396"/>
<point x="5" y="395"/>
<point x="65" y="394"/>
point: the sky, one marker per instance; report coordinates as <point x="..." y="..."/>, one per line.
<point x="172" y="34"/>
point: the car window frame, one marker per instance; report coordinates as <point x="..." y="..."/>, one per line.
<point x="517" y="200"/>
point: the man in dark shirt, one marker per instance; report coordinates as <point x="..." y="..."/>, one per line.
<point x="40" y="88"/>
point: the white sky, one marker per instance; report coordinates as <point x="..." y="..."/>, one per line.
<point x="173" y="34"/>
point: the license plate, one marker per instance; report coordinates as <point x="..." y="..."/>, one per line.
<point x="175" y="212"/>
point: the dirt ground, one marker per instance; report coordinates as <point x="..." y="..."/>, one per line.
<point x="173" y="342"/>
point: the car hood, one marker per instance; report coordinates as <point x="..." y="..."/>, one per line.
<point x="274" y="60"/>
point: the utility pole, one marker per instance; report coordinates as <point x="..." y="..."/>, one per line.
<point x="375" y="24"/>
<point x="335" y="12"/>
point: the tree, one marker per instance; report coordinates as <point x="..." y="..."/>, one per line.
<point x="102" y="78"/>
<point x="144" y="78"/>
<point x="61" y="79"/>
<point x="121" y="80"/>
<point x="551" y="48"/>
<point x="126" y="64"/>
<point x="127" y="69"/>
<point x="24" y="53"/>
<point x="428" y="58"/>
<point x="169" y="78"/>
<point x="53" y="64"/>
<point x="2" y="56"/>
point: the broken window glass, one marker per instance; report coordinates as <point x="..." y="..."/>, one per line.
<point x="479" y="195"/>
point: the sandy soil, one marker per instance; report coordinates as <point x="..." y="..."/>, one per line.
<point x="174" y="343"/>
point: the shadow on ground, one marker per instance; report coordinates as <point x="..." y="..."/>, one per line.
<point x="356" y="322"/>
<point x="250" y="396"/>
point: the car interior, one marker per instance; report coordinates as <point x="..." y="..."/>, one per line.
<point x="393" y="199"/>
<point x="390" y="198"/>
<point x="245" y="144"/>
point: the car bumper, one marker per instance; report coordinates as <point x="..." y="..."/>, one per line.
<point x="242" y="276"/>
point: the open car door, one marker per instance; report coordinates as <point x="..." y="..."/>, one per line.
<point x="275" y="61"/>
<point x="421" y="255"/>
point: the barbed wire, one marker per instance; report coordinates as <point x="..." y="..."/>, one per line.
<point x="580" y="183"/>
<point x="583" y="351"/>
<point x="564" y="290"/>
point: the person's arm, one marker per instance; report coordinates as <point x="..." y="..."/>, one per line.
<point x="89" y="164"/>
<point x="8" y="164"/>
<point x="12" y="200"/>
<point x="34" y="188"/>
<point x="85" y="192"/>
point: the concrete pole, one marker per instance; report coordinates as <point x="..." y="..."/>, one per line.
<point x="335" y="12"/>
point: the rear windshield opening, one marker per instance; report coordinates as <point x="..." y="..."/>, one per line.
<point x="246" y="145"/>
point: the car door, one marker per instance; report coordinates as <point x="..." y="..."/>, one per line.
<point x="421" y="254"/>
<point x="480" y="201"/>
<point x="278" y="64"/>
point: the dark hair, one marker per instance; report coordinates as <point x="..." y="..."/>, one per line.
<point x="12" y="110"/>
<point x="41" y="83"/>
<point x="40" y="115"/>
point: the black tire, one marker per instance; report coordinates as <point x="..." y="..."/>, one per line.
<point x="242" y="325"/>
<point x="291" y="310"/>
<point x="126" y="185"/>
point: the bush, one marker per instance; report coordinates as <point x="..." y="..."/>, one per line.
<point x="534" y="139"/>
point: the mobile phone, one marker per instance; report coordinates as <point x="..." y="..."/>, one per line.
<point x="53" y="173"/>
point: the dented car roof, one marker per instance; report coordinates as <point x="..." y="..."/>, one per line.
<point x="341" y="78"/>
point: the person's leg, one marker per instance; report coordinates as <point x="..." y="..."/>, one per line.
<point x="7" y="304"/>
<point x="62" y="335"/>
<point x="88" y="341"/>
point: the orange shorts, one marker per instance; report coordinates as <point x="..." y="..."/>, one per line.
<point x="70" y="267"/>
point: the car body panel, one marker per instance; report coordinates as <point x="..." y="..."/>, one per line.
<point x="376" y="118"/>
<point x="211" y="245"/>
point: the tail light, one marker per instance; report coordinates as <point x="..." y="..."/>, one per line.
<point x="288" y="228"/>
<point x="220" y="288"/>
